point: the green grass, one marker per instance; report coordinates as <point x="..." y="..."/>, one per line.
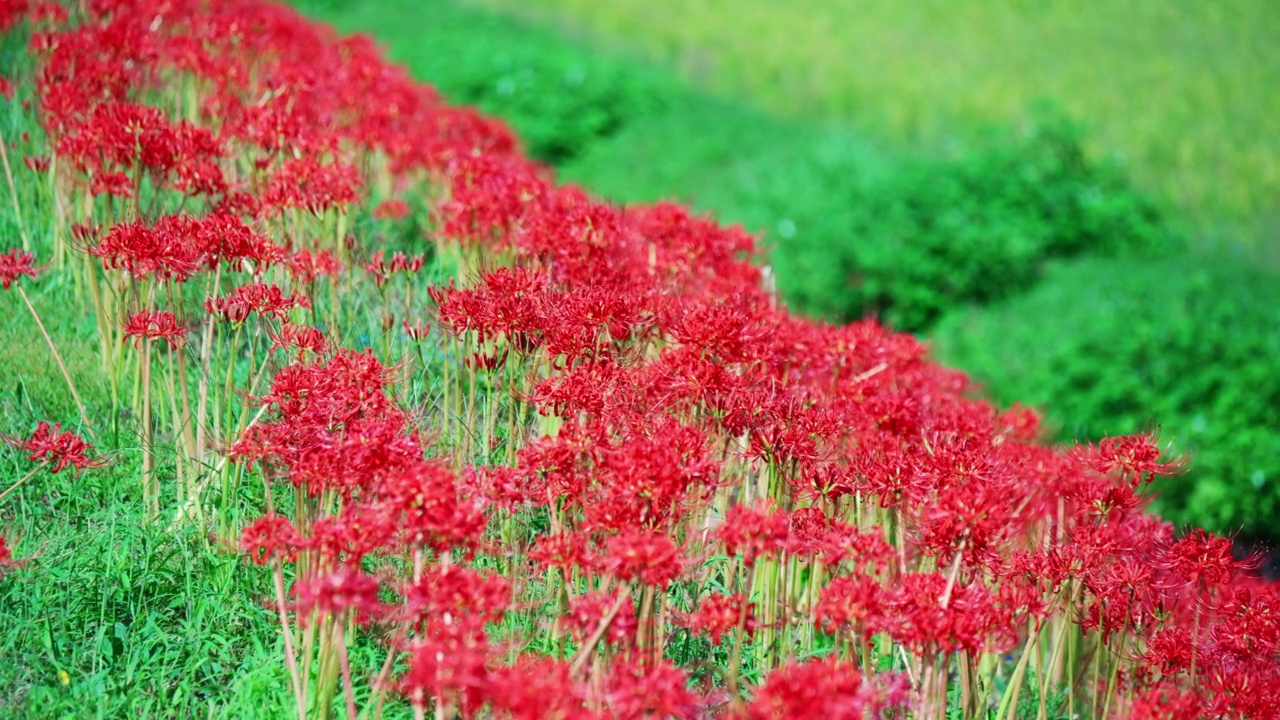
<point x="113" y="615"/>
<point x="1185" y="94"/>
<point x="118" y="616"/>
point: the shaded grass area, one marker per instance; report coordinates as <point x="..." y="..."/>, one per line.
<point x="1184" y="94"/>
<point x="117" y="617"/>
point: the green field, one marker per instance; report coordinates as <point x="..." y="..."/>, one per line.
<point x="1185" y="93"/>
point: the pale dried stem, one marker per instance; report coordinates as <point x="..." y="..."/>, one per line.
<point x="584" y="654"/>
<point x="25" y="478"/>
<point x="84" y="415"/>
<point x="290" y="660"/>
<point x="13" y="194"/>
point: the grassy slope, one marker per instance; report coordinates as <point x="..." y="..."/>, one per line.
<point x="114" y="615"/>
<point x="1185" y="93"/>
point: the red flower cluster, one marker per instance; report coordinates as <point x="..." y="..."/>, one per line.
<point x="62" y="449"/>
<point x="637" y="410"/>
<point x="155" y="326"/>
<point x="720" y="615"/>
<point x="6" y="557"/>
<point x="176" y="247"/>
<point x="14" y="265"/>
<point x="268" y="301"/>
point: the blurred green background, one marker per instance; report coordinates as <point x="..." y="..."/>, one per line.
<point x="1078" y="205"/>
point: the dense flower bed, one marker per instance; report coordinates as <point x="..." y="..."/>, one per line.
<point x="600" y="472"/>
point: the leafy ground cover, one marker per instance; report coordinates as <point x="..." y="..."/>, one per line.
<point x="370" y="417"/>
<point x="1185" y="343"/>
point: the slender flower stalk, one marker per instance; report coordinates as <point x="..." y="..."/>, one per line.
<point x="13" y="195"/>
<point x="600" y="444"/>
<point x="62" y="366"/>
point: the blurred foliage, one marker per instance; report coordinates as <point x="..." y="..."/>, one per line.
<point x="856" y="228"/>
<point x="559" y="96"/>
<point x="1179" y="90"/>
<point x="1109" y="348"/>
<point x="859" y="229"/>
<point x="974" y="227"/>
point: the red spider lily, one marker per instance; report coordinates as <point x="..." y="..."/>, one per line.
<point x="418" y="331"/>
<point x="1204" y="559"/>
<point x="588" y="612"/>
<point x="919" y="618"/>
<point x="450" y="663"/>
<point x="856" y="603"/>
<point x="37" y="164"/>
<point x="308" y="184"/>
<point x="299" y="337"/>
<point x="115" y="184"/>
<point x="642" y="691"/>
<point x="353" y="458"/>
<point x="837" y="542"/>
<point x="341" y="592"/>
<point x="237" y="203"/>
<point x="169" y="250"/>
<point x="753" y="532"/>
<point x="457" y="592"/>
<point x="1170" y="651"/>
<point x="826" y="688"/>
<point x="719" y="615"/>
<point x="648" y="481"/>
<point x="1166" y="701"/>
<point x="11" y="13"/>
<point x="155" y="326"/>
<point x="505" y="301"/>
<point x="14" y="265"/>
<point x="490" y="194"/>
<point x="538" y="687"/>
<point x="381" y="270"/>
<point x="305" y="266"/>
<point x="430" y="508"/>
<point x="116" y="137"/>
<point x="269" y="301"/>
<point x="1134" y="458"/>
<point x="225" y="240"/>
<point x="351" y="386"/>
<point x="6" y="558"/>
<point x="675" y="378"/>
<point x="562" y="550"/>
<point x="347" y="538"/>
<point x="393" y="209"/>
<point x="650" y="557"/>
<point x="49" y="444"/>
<point x="269" y="538"/>
<point x="1250" y="624"/>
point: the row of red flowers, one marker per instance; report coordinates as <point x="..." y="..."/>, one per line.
<point x="616" y="441"/>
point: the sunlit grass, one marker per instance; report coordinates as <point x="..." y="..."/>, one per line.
<point x="1185" y="93"/>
